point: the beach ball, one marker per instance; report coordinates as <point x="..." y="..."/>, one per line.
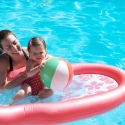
<point x="57" y="73"/>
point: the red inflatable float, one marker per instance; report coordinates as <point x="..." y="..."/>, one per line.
<point x="71" y="110"/>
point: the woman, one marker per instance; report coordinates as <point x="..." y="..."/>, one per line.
<point x="14" y="58"/>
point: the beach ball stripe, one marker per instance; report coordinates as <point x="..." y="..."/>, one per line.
<point x="57" y="73"/>
<point x="48" y="71"/>
<point x="70" y="70"/>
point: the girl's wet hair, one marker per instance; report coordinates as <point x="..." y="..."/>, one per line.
<point x="4" y="34"/>
<point x="36" y="41"/>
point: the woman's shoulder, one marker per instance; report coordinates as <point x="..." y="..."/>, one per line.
<point x="25" y="50"/>
<point x="4" y="57"/>
<point x="4" y="60"/>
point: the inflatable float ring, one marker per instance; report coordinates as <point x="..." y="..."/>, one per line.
<point x="71" y="110"/>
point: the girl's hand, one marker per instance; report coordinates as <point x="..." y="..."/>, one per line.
<point x="32" y="69"/>
<point x="29" y="67"/>
<point x="43" y="62"/>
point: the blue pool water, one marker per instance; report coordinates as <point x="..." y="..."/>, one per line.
<point x="80" y="31"/>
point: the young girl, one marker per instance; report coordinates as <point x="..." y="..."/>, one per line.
<point x="33" y="85"/>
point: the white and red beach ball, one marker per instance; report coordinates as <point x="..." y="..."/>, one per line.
<point x="57" y="73"/>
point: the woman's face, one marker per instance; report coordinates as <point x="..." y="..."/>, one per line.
<point x="11" y="45"/>
<point x="37" y="53"/>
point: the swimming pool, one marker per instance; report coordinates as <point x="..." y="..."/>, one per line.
<point x="80" y="31"/>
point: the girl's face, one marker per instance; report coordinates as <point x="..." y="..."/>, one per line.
<point x="11" y="46"/>
<point x="37" y="53"/>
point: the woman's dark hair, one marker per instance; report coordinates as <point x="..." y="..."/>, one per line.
<point x="4" y="34"/>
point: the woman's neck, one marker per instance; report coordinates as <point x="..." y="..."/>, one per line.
<point x="19" y="58"/>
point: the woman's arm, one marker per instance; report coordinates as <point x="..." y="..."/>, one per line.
<point x="16" y="82"/>
<point x="30" y="71"/>
<point x="4" y="84"/>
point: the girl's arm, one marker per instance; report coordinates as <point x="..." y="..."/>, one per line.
<point x="31" y="70"/>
